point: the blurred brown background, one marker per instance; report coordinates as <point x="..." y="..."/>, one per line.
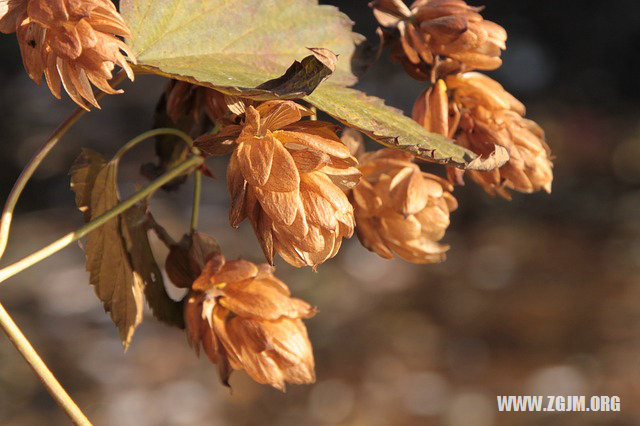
<point x="540" y="295"/>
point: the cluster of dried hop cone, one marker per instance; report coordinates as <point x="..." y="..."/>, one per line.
<point x="301" y="186"/>
<point x="72" y="42"/>
<point x="304" y="189"/>
<point x="442" y="42"/>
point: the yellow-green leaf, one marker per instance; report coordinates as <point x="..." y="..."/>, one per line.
<point x="236" y="46"/>
<point x="386" y="124"/>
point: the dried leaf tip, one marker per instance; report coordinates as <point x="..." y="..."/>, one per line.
<point x="75" y="44"/>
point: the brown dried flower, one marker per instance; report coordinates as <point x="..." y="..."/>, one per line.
<point x="245" y="318"/>
<point x="447" y="28"/>
<point x="287" y="176"/>
<point x="479" y="114"/>
<point x="73" y="43"/>
<point x="400" y="209"/>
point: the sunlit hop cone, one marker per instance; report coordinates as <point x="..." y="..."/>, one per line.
<point x="479" y="113"/>
<point x="400" y="209"/>
<point x="73" y="43"/>
<point x="446" y="28"/>
<point x="287" y="176"/>
<point x="244" y="318"/>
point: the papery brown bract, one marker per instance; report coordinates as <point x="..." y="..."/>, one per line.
<point x="74" y="44"/>
<point x="288" y="177"/>
<point x="353" y="140"/>
<point x="244" y="318"/>
<point x="11" y="14"/>
<point x="441" y="28"/>
<point x="479" y="114"/>
<point x="431" y="110"/>
<point x="400" y="209"/>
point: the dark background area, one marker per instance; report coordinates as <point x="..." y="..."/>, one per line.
<point x="540" y="295"/>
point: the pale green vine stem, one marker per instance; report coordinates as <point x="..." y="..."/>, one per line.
<point x="39" y="367"/>
<point x="187" y="140"/>
<point x="197" y="189"/>
<point x="34" y="162"/>
<point x="58" y="245"/>
<point x="151" y="133"/>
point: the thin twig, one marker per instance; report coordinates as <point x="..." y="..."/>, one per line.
<point x="58" y="245"/>
<point x="40" y="368"/>
<point x="34" y="162"/>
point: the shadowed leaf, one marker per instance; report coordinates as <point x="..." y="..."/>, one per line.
<point x="303" y="77"/>
<point x="164" y="308"/>
<point x="170" y="149"/>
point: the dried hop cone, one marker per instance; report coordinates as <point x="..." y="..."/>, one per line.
<point x="479" y="114"/>
<point x="448" y="28"/>
<point x="288" y="177"/>
<point x="73" y="43"/>
<point x="245" y="318"/>
<point x="400" y="209"/>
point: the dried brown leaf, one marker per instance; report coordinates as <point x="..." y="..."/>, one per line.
<point x="83" y="175"/>
<point x="301" y="78"/>
<point x="117" y="285"/>
<point x="118" y="255"/>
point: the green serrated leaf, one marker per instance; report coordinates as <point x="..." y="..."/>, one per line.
<point x="236" y="46"/>
<point x="386" y="124"/>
